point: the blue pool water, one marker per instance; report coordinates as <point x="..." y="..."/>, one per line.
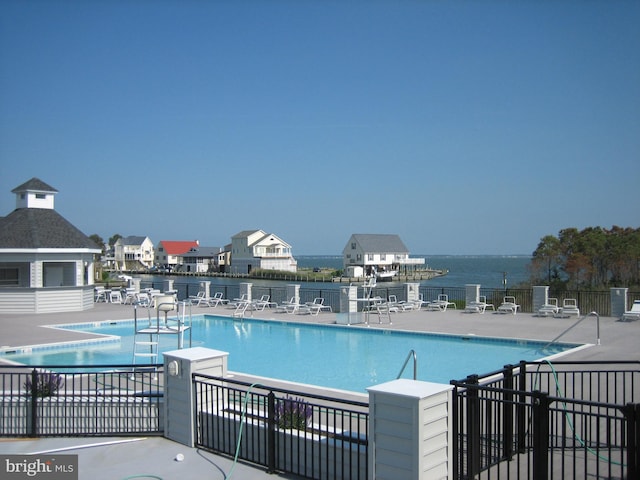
<point x="347" y="358"/>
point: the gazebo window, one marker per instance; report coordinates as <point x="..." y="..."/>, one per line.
<point x="9" y="277"/>
<point x="59" y="274"/>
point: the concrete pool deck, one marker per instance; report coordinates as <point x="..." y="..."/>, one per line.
<point x="120" y="458"/>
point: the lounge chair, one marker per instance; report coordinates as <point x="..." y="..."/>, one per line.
<point x="264" y="302"/>
<point x="199" y="298"/>
<point x="478" y="306"/>
<point x="238" y="301"/>
<point x="216" y="300"/>
<point x="509" y="305"/>
<point x="441" y="304"/>
<point x="633" y="314"/>
<point x="318" y="306"/>
<point x="569" y="308"/>
<point x="549" y="308"/>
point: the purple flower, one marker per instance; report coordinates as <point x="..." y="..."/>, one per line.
<point x="47" y="384"/>
<point x="293" y="413"/>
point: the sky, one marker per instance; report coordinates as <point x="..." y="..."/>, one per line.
<point x="465" y="127"/>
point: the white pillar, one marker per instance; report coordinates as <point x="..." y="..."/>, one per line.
<point x="205" y="287"/>
<point x="412" y="291"/>
<point x="168" y="285"/>
<point x="540" y="297"/>
<point x="618" y="301"/>
<point x="293" y="291"/>
<point x="179" y="418"/>
<point x="410" y="430"/>
<point x="472" y="293"/>
<point x="245" y="289"/>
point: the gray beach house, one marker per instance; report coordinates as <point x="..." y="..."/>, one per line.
<point x="46" y="264"/>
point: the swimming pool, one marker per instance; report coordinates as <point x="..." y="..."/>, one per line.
<point x="342" y="357"/>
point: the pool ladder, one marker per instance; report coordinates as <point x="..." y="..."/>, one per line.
<point x="412" y="353"/>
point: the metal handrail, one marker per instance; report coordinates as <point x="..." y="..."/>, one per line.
<point x="575" y="324"/>
<point x="415" y="365"/>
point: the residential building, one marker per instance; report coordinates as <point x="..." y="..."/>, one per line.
<point x="168" y="252"/>
<point x="251" y="249"/>
<point x="202" y="260"/>
<point x="134" y="252"/>
<point x="46" y="264"/>
<point x="379" y="253"/>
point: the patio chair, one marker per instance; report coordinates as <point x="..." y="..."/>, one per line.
<point x="509" y="305"/>
<point x="569" y="308"/>
<point x="549" y="308"/>
<point x="264" y="302"/>
<point x="633" y="314"/>
<point x="100" y="294"/>
<point x="479" y="306"/>
<point x="318" y="306"/>
<point x="216" y="300"/>
<point x="115" y="296"/>
<point x="441" y="303"/>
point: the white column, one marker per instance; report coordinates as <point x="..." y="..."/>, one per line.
<point x="540" y="297"/>
<point x="179" y="418"/>
<point x="412" y="291"/>
<point x="410" y="430"/>
<point x="472" y="293"/>
<point x="618" y="301"/>
<point x="293" y="291"/>
<point x="245" y="289"/>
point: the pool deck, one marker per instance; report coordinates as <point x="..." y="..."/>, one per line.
<point x="120" y="458"/>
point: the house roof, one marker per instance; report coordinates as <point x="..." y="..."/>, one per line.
<point x="36" y="185"/>
<point x="377" y="242"/>
<point x="28" y="228"/>
<point x="133" y="240"/>
<point x="204" y="252"/>
<point x="179" y="247"/>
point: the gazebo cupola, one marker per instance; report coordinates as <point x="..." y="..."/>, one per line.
<point x="35" y="194"/>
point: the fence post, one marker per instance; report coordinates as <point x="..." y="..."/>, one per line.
<point x="521" y="412"/>
<point x="271" y="432"/>
<point x="507" y="406"/>
<point x="631" y="414"/>
<point x="540" y="422"/>
<point x="473" y="427"/>
<point x="33" y="431"/>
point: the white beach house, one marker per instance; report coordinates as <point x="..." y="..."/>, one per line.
<point x="46" y="264"/>
<point x="365" y="252"/>
<point x="134" y="252"/>
<point x="251" y="249"/>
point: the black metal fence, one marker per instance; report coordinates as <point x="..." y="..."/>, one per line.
<point x="64" y="401"/>
<point x="543" y="421"/>
<point x="588" y="301"/>
<point x="308" y="435"/>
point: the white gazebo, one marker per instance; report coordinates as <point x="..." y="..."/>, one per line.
<point x="46" y="264"/>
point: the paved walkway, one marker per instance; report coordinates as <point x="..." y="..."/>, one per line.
<point x="117" y="458"/>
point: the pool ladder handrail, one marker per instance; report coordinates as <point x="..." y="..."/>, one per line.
<point x="575" y="324"/>
<point x="412" y="353"/>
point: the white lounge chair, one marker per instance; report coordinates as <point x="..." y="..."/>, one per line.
<point x="633" y="314"/>
<point x="100" y="294"/>
<point x="478" y="306"/>
<point x="509" y="305"/>
<point x="318" y="306"/>
<point x="264" y="302"/>
<point x="569" y="308"/>
<point x="216" y="300"/>
<point x="441" y="304"/>
<point x="549" y="308"/>
<point x="115" y="296"/>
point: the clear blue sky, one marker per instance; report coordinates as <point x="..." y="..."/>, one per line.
<point x="464" y="127"/>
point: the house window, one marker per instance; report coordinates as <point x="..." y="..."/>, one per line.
<point x="383" y="257"/>
<point x="353" y="246"/>
<point x="9" y="277"/>
<point x="370" y="257"/>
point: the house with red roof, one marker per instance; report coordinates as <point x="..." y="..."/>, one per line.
<point x="168" y="252"/>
